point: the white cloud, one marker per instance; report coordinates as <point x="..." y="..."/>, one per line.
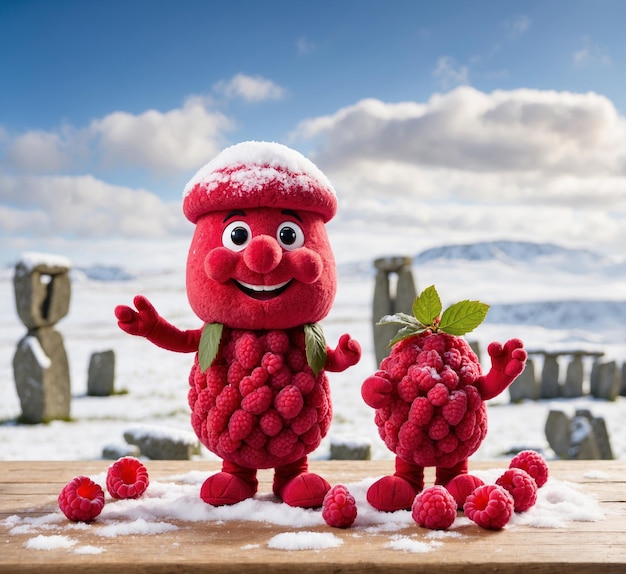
<point x="591" y="54"/>
<point x="465" y="129"/>
<point x="449" y="73"/>
<point x="525" y="163"/>
<point x="177" y="140"/>
<point x="181" y="139"/>
<point x="38" y="152"/>
<point x="250" y="88"/>
<point x="84" y="207"/>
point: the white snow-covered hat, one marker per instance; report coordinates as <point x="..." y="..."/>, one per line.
<point x="259" y="174"/>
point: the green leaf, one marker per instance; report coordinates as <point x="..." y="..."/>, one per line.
<point x="405" y="333"/>
<point x="315" y="345"/>
<point x="427" y="306"/>
<point x="209" y="344"/>
<point x="399" y="319"/>
<point x="463" y="317"/>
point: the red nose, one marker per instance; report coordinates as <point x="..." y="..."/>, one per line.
<point x="263" y="254"/>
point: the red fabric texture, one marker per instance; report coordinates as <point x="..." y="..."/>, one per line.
<point x="236" y="185"/>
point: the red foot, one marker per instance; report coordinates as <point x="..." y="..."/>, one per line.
<point x="391" y="493"/>
<point x="306" y="490"/>
<point x="224" y="488"/>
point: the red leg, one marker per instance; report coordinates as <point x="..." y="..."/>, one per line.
<point x="296" y="486"/>
<point x="444" y="475"/>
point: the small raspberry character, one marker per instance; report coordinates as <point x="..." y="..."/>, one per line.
<point x="442" y="393"/>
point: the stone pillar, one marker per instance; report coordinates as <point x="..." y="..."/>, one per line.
<point x="605" y="380"/>
<point x="40" y="365"/>
<point x="388" y="303"/>
<point x="550" y="378"/>
<point x="525" y="386"/>
<point x="101" y="374"/>
<point x="573" y="386"/>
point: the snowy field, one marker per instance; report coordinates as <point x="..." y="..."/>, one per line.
<point x="559" y="299"/>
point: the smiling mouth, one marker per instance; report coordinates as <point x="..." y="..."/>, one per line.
<point x="262" y="292"/>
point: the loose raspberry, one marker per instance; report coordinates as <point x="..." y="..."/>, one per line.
<point x="533" y="463"/>
<point x="461" y="486"/>
<point x="521" y="486"/>
<point x="127" y="478"/>
<point x="434" y="508"/>
<point x="339" y="507"/>
<point x="81" y="499"/>
<point x="490" y="506"/>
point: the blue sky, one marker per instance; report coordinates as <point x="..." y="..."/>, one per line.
<point x="437" y="122"/>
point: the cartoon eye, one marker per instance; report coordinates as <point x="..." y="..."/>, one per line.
<point x="236" y="236"/>
<point x="290" y="236"/>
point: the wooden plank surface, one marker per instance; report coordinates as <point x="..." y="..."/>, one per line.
<point x="28" y="491"/>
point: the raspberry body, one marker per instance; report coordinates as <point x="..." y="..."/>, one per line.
<point x="81" y="499"/>
<point x="436" y="393"/>
<point x="533" y="463"/>
<point x="521" y="486"/>
<point x="434" y="508"/>
<point x="259" y="404"/>
<point x="490" y="506"/>
<point x="127" y="478"/>
<point x="339" y="507"/>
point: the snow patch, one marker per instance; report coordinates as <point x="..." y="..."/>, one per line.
<point x="304" y="541"/>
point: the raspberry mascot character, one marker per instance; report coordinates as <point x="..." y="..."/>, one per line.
<point x="260" y="275"/>
<point x="429" y="397"/>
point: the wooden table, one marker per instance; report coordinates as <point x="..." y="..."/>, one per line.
<point x="28" y="490"/>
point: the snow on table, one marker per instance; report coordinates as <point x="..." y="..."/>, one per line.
<point x="576" y="525"/>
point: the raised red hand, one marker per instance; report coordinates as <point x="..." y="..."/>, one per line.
<point x="146" y="322"/>
<point x="507" y="362"/>
<point x="347" y="354"/>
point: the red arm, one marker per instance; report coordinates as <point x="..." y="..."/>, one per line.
<point x="507" y="362"/>
<point x="347" y="353"/>
<point x="146" y="322"/>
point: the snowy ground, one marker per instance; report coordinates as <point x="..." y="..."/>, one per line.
<point x="155" y="381"/>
